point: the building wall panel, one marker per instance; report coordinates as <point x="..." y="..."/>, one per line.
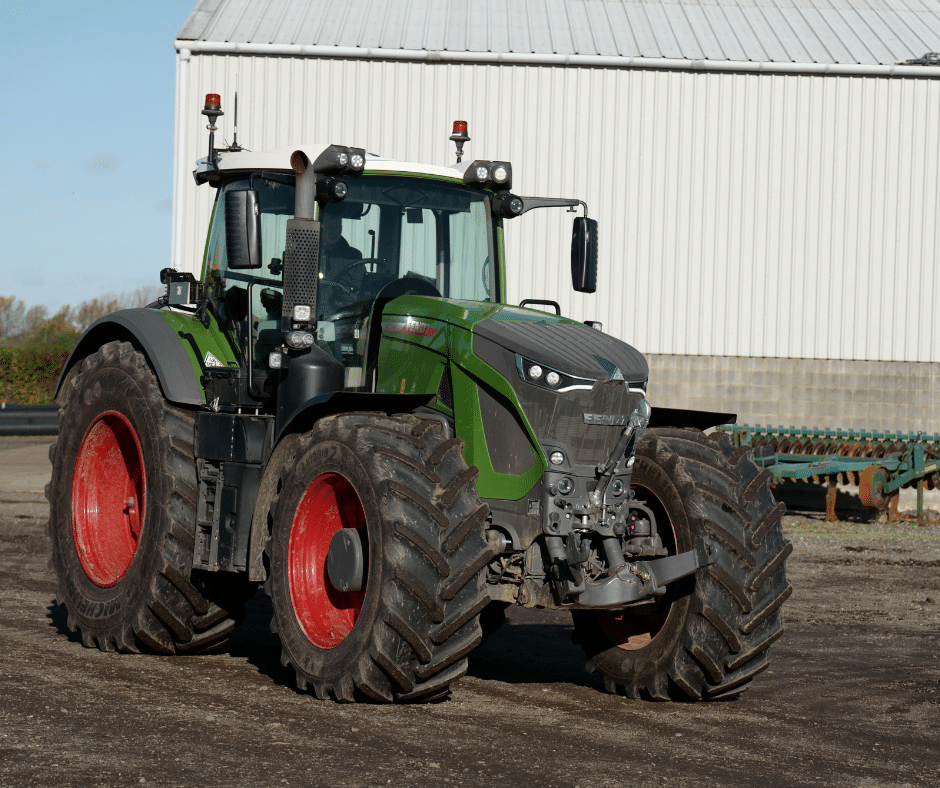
<point x="740" y="215"/>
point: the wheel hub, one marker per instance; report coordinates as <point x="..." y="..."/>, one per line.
<point x="328" y="510"/>
<point x="109" y="489"/>
<point x="344" y="561"/>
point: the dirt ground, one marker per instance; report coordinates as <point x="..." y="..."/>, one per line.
<point x="852" y="697"/>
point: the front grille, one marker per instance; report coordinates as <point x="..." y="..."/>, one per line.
<point x="560" y="417"/>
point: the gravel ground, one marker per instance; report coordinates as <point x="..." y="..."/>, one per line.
<point x="852" y="697"/>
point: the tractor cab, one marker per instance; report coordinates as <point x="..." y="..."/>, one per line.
<point x="391" y="233"/>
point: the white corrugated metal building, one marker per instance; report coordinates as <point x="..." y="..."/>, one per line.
<point x="766" y="173"/>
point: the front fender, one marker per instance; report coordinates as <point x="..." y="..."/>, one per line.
<point x="149" y="331"/>
<point x="303" y="418"/>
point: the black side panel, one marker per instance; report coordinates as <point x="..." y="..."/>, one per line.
<point x="159" y="342"/>
<point x="227" y="437"/>
<point x="697" y="419"/>
<point x="237" y="502"/>
<point x="308" y="376"/>
<point x="506" y="440"/>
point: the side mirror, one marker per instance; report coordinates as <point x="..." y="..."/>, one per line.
<point x="584" y="255"/>
<point x="243" y="229"/>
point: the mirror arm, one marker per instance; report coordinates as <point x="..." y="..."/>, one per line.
<point x="531" y="203"/>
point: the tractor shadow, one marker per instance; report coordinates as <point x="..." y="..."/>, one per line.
<point x="254" y="642"/>
<point x="532" y="647"/>
<point x="59" y="620"/>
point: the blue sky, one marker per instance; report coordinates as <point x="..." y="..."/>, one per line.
<point x="87" y="96"/>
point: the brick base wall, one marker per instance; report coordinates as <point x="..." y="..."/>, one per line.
<point x="884" y="396"/>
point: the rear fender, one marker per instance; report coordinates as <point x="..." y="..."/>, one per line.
<point x="148" y="331"/>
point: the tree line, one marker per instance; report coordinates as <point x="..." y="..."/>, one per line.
<point x="35" y="341"/>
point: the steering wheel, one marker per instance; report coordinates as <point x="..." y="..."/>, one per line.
<point x="382" y="268"/>
<point x="409" y="285"/>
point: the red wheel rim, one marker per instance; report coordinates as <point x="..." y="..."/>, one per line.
<point x="326" y="615"/>
<point x="109" y="499"/>
<point x="632" y="632"/>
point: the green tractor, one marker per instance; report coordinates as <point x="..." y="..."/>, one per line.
<point x="345" y="408"/>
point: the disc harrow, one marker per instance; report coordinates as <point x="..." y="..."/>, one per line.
<point x="879" y="463"/>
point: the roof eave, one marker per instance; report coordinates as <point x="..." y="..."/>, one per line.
<point x="187" y="48"/>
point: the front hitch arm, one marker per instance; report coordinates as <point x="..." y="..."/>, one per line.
<point x="641" y="579"/>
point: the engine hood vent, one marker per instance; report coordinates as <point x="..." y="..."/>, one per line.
<point x="571" y="347"/>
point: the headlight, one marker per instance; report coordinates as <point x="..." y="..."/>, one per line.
<point x="332" y="190"/>
<point x="506" y="205"/>
<point x="301" y="313"/>
<point x="551" y="379"/>
<point x="299" y="339"/>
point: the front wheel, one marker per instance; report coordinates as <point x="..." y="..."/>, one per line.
<point x="376" y="558"/>
<point x="710" y="634"/>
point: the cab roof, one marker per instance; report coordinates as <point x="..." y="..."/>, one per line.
<point x="279" y="159"/>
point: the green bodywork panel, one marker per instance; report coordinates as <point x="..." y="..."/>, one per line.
<point x="420" y="338"/>
<point x="209" y="340"/>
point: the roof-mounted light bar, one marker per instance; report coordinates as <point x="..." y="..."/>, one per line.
<point x="340" y="160"/>
<point x="489" y="175"/>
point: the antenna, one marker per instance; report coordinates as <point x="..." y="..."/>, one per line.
<point x="235" y="123"/>
<point x="235" y="147"/>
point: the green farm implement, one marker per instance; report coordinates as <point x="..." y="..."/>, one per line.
<point x="879" y="463"/>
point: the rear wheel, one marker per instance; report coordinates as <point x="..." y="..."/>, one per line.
<point x="376" y="557"/>
<point x="710" y="634"/>
<point x="122" y="515"/>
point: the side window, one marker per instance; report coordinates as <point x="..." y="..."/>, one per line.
<point x="419" y="243"/>
<point x="470" y="267"/>
<point x="247" y="301"/>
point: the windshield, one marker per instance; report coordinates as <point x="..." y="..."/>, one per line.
<point x="393" y="235"/>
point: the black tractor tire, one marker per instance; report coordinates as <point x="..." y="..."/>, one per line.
<point x="122" y="504"/>
<point x="405" y="488"/>
<point x="710" y="634"/>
